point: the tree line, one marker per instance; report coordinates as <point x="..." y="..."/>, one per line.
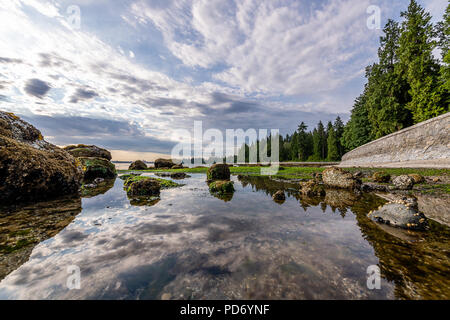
<point x="406" y="86"/>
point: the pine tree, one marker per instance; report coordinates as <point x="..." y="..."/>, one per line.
<point x="339" y="130"/>
<point x="332" y="145"/>
<point x="417" y="64"/>
<point x="387" y="90"/>
<point x="443" y="30"/>
<point x="357" y="131"/>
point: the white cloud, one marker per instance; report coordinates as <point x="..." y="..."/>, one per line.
<point x="271" y="47"/>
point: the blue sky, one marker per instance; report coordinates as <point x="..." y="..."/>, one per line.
<point x="134" y="71"/>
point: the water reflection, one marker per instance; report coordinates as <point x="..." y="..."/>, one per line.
<point x="22" y="228"/>
<point x="191" y="245"/>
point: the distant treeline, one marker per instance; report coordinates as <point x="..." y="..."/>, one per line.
<point x="406" y="86"/>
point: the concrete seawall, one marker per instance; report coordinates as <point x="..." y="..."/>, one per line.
<point x="426" y="145"/>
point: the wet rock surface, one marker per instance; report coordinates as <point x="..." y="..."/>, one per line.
<point x="218" y="171"/>
<point x="93" y="168"/>
<point x="402" y="214"/>
<point x="138" y="165"/>
<point x="143" y="187"/>
<point x="312" y="188"/>
<point x="163" y="163"/>
<point x="403" y="182"/>
<point x="338" y="178"/>
<point x="32" y="169"/>
<point x="23" y="227"/>
<point x="88" y="151"/>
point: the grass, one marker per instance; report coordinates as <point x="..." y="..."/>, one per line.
<point x="307" y="172"/>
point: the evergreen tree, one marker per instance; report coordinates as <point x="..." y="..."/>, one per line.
<point x="339" y="130"/>
<point x="387" y="90"/>
<point x="332" y="145"/>
<point x="357" y="131"/>
<point x="443" y="30"/>
<point x="417" y="64"/>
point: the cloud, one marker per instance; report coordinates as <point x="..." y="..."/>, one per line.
<point x="82" y="94"/>
<point x="10" y="60"/>
<point x="110" y="134"/>
<point x="272" y="47"/>
<point x="37" y="88"/>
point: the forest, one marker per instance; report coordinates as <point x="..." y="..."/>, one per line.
<point x="406" y="86"/>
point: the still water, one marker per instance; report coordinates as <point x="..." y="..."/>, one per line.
<point x="192" y="245"/>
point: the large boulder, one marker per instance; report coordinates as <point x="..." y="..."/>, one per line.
<point x="338" y="178"/>
<point x="400" y="213"/>
<point x="138" y="165"/>
<point x="88" y="151"/>
<point x="96" y="168"/>
<point x="403" y="182"/>
<point x="218" y="171"/>
<point x="163" y="163"/>
<point x="32" y="169"/>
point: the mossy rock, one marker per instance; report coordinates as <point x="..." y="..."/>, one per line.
<point x="128" y="175"/>
<point x="165" y="184"/>
<point x="218" y="171"/>
<point x="417" y="178"/>
<point x="312" y="189"/>
<point x="381" y="177"/>
<point x="163" y="163"/>
<point x="221" y="187"/>
<point x="32" y="169"/>
<point x="138" y="165"/>
<point x="143" y="187"/>
<point x="85" y="151"/>
<point x="96" y="168"/>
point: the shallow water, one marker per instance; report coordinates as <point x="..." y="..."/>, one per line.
<point x="192" y="245"/>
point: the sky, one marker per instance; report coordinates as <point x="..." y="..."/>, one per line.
<point x="125" y="75"/>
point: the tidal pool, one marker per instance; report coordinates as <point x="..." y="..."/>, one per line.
<point x="193" y="245"/>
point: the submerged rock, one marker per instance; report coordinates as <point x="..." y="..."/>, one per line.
<point x="400" y="213"/>
<point x="178" y="166"/>
<point x="163" y="163"/>
<point x="178" y="175"/>
<point x="370" y="186"/>
<point x="338" y="178"/>
<point x="32" y="169"/>
<point x="311" y="189"/>
<point x="88" y="151"/>
<point x="138" y="165"/>
<point x="219" y="171"/>
<point x="403" y="182"/>
<point x="381" y="176"/>
<point x="93" y="168"/>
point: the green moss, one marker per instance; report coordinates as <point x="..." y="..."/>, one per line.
<point x="23" y="232"/>
<point x="165" y="184"/>
<point x="19" y="245"/>
<point x="221" y="187"/>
